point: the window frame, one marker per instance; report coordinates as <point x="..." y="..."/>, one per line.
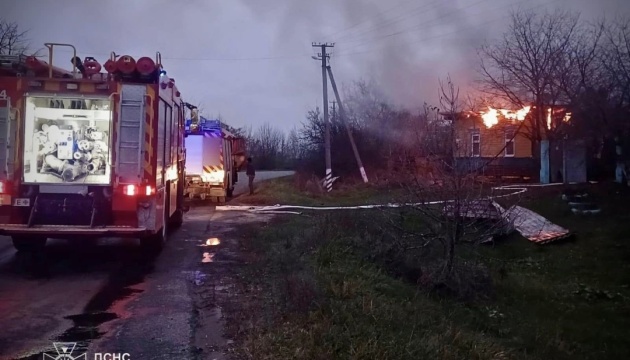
<point x="509" y="137"/>
<point x="473" y="142"/>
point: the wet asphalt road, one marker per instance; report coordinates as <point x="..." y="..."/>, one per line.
<point x="109" y="296"/>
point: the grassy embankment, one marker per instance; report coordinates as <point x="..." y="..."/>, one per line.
<point x="334" y="286"/>
<point x="283" y="191"/>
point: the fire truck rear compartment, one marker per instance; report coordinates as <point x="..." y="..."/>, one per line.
<point x="72" y="215"/>
<point x="70" y="209"/>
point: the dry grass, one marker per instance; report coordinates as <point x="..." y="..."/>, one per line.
<point x="330" y="286"/>
<point x="287" y="190"/>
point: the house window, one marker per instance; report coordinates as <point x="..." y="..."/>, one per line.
<point x="509" y="143"/>
<point x="476" y="144"/>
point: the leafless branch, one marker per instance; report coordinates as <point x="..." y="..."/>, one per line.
<point x="13" y="41"/>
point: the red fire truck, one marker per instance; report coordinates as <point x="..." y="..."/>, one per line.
<point x="89" y="154"/>
<point x="214" y="155"/>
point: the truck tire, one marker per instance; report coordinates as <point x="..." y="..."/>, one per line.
<point x="177" y="220"/>
<point x="28" y="243"/>
<point x="155" y="242"/>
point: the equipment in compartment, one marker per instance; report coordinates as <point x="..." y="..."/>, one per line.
<point x="71" y="152"/>
<point x="65" y="144"/>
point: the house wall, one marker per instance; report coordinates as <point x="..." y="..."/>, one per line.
<point x="491" y="140"/>
<point x="569" y="156"/>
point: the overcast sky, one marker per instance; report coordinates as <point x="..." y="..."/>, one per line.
<point x="250" y="60"/>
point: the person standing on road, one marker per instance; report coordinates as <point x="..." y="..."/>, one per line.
<point x="251" y="174"/>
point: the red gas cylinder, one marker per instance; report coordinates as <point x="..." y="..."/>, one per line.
<point x="126" y="64"/>
<point x="110" y="66"/>
<point x="91" y="66"/>
<point x="145" y="65"/>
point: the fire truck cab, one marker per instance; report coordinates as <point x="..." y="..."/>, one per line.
<point x="89" y="154"/>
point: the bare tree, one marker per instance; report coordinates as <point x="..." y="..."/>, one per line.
<point x="292" y="150"/>
<point x="616" y="59"/>
<point x="379" y="130"/>
<point x="450" y="209"/>
<point x="265" y="144"/>
<point x="523" y="67"/>
<point x="13" y="41"/>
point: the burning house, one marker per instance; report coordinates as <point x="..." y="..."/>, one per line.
<point x="504" y="143"/>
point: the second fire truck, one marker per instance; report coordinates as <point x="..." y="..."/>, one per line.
<point x="214" y="155"/>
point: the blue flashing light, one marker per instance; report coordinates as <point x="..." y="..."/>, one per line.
<point x="162" y="73"/>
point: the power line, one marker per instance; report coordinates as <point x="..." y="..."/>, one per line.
<point x="424" y="25"/>
<point x="343" y="53"/>
<point x="201" y="58"/>
<point x="435" y="36"/>
<point x="392" y="21"/>
<point x="364" y="21"/>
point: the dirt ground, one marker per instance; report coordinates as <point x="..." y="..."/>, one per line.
<point x="219" y="294"/>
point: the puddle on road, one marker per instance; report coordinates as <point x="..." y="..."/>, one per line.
<point x="86" y="325"/>
<point x="85" y="329"/>
<point x="207" y="257"/>
<point x="211" y="242"/>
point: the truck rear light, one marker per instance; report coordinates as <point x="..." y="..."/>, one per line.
<point x="130" y="190"/>
<point x="135" y="190"/>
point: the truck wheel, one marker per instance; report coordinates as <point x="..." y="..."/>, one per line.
<point x="177" y="219"/>
<point x="156" y="241"/>
<point x="28" y="244"/>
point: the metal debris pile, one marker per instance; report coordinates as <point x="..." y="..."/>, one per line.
<point x="533" y="226"/>
<point x="529" y="224"/>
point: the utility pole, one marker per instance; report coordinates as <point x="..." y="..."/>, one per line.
<point x="334" y="114"/>
<point x="342" y="113"/>
<point x="324" y="58"/>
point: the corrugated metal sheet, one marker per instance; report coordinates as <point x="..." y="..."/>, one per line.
<point x="475" y="209"/>
<point x="533" y="226"/>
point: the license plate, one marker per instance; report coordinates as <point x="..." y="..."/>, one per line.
<point x="22" y="202"/>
